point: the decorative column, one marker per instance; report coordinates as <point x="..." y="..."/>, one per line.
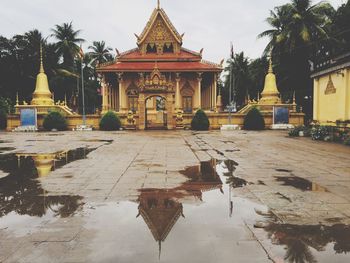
<point x="199" y="79"/>
<point x="120" y="81"/>
<point x="177" y="93"/>
<point x="215" y="97"/>
<point x="104" y="94"/>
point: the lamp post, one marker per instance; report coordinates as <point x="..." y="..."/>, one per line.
<point x="83" y="91"/>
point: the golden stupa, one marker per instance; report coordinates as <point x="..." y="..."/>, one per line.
<point x="42" y="94"/>
<point x="270" y="94"/>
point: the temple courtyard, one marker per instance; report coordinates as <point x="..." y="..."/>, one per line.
<point x="173" y="196"/>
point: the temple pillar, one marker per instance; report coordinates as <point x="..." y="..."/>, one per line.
<point x="199" y="80"/>
<point x="104" y="96"/>
<point x="120" y="88"/>
<point x="108" y="98"/>
<point x="215" y="90"/>
<point x="177" y="93"/>
<point x="142" y="112"/>
<point x="171" y="122"/>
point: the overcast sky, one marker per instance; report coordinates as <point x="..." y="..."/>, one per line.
<point x="208" y="24"/>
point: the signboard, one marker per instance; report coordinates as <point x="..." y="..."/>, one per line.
<point x="280" y="115"/>
<point x="28" y="117"/>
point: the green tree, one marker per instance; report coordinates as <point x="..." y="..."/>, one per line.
<point x="297" y="28"/>
<point x="238" y="66"/>
<point x="67" y="42"/>
<point x="100" y="53"/>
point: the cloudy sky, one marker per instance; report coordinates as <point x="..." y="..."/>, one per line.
<point x="208" y="24"/>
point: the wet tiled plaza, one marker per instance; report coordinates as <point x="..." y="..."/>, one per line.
<point x="166" y="196"/>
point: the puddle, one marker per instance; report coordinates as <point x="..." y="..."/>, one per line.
<point x="22" y="193"/>
<point x="310" y="243"/>
<point x="107" y="142"/>
<point x="261" y="182"/>
<point x="300" y="183"/>
<point x="284" y="197"/>
<point x="204" y="218"/>
<point x="232" y="151"/>
<point x="6" y="149"/>
<point x="283" y="170"/>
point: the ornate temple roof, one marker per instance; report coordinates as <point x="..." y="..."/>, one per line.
<point x="158" y="33"/>
<point x="159" y="12"/>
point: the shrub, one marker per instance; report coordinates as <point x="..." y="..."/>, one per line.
<point x="5" y="108"/>
<point x="3" y="120"/>
<point x="55" y="120"/>
<point x="200" y="121"/>
<point x="295" y="131"/>
<point x="254" y="120"/>
<point x="320" y="133"/>
<point x="110" y="122"/>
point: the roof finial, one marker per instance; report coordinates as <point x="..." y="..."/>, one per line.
<point x="41" y="59"/>
<point x="158" y="4"/>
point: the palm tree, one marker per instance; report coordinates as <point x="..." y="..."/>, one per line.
<point x="68" y="42"/>
<point x="297" y="30"/>
<point x="298" y="24"/>
<point x="239" y="65"/>
<point x="100" y="53"/>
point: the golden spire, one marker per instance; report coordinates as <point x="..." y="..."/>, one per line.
<point x="41" y="59"/>
<point x="158" y="4"/>
<point x="17" y="100"/>
<point x="270" y="64"/>
<point x="42" y="94"/>
<point x="270" y="95"/>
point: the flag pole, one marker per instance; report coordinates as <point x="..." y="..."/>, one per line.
<point x="83" y="88"/>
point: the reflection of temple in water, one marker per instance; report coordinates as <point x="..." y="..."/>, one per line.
<point x="20" y="192"/>
<point x="161" y="208"/>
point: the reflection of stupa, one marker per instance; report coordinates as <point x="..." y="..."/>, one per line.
<point x="161" y="208"/>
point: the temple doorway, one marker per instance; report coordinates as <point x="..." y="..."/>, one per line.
<point x="156" y="113"/>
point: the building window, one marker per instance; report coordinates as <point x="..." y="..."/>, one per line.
<point x="168" y="48"/>
<point x="151" y="48"/>
<point x="187" y="104"/>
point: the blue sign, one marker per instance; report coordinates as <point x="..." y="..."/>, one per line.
<point x="28" y="117"/>
<point x="280" y="115"/>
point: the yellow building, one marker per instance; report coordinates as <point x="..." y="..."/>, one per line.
<point x="332" y="90"/>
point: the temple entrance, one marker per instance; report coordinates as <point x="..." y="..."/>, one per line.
<point x="156" y="113"/>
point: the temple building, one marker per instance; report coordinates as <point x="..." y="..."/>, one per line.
<point x="159" y="78"/>
<point x="332" y="90"/>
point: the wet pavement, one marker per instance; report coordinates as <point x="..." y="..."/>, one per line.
<point x="173" y="197"/>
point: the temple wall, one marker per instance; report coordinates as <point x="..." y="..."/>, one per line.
<point x="328" y="108"/>
<point x="216" y="120"/>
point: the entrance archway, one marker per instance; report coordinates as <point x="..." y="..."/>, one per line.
<point x="156" y="114"/>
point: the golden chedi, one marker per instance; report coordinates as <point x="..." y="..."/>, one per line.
<point x="270" y="94"/>
<point x="42" y="94"/>
<point x="44" y="164"/>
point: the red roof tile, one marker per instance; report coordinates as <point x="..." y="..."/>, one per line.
<point x="163" y="66"/>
